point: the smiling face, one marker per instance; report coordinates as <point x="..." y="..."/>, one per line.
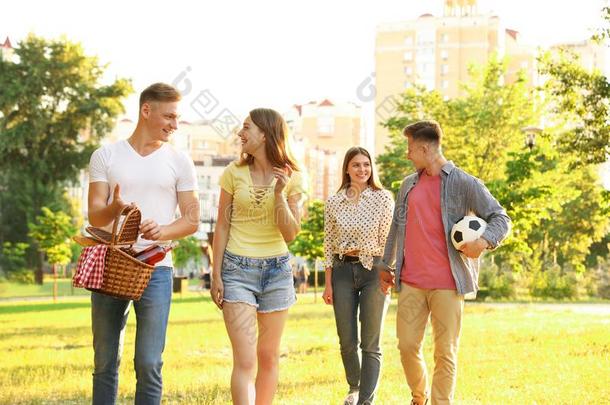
<point x="252" y="138"/>
<point x="359" y="170"/>
<point x="161" y="119"/>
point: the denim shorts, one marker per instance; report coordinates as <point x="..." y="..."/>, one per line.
<point x="265" y="283"/>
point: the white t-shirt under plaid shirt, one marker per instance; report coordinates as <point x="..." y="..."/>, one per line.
<point x="361" y="224"/>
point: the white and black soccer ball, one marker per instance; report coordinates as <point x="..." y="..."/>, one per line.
<point x="467" y="229"/>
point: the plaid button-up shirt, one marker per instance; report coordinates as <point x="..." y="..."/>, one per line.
<point x="461" y="194"/>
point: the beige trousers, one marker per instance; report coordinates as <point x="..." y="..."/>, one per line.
<point x="444" y="308"/>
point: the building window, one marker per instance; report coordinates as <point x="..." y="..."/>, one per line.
<point x="408" y="70"/>
<point x="425" y="37"/>
<point x="407" y="85"/>
<point x="424" y="69"/>
<point x="326" y="124"/>
<point x="445" y="84"/>
<point x="408" y="56"/>
<point x="409" y="41"/>
<point x="444" y="54"/>
<point x="444" y="38"/>
<point x="444" y="69"/>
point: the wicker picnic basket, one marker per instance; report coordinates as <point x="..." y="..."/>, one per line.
<point x="125" y="277"/>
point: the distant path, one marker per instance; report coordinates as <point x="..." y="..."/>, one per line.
<point x="581" y="308"/>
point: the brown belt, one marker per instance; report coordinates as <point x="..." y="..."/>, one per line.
<point x="348" y="259"/>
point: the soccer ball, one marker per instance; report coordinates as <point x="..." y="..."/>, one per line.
<point x="467" y="229"/>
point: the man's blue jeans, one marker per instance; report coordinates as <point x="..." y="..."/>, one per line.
<point x="108" y="320"/>
<point x="353" y="287"/>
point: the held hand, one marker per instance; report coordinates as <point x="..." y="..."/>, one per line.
<point x="217" y="291"/>
<point x="327" y="295"/>
<point x="151" y="230"/>
<point x="386" y="281"/>
<point x="282" y="176"/>
<point x="474" y="249"/>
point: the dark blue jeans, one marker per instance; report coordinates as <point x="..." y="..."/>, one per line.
<point x="108" y="320"/>
<point x="355" y="287"/>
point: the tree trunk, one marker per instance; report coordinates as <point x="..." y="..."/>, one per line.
<point x="38" y="273"/>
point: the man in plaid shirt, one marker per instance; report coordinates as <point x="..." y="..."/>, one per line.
<point x="146" y="170"/>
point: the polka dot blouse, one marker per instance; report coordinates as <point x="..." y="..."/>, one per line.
<point x="361" y="224"/>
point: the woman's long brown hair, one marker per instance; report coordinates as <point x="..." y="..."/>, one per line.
<point x="272" y="124"/>
<point x="349" y="155"/>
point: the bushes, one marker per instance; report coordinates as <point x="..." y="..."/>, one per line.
<point x="13" y="262"/>
<point x="599" y="279"/>
<point x="496" y="282"/>
<point x="23" y="276"/>
<point x="554" y="282"/>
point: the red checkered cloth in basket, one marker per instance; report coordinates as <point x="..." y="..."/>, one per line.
<point x="90" y="267"/>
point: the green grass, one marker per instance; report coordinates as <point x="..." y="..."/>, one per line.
<point x="509" y="354"/>
<point x="64" y="288"/>
<point x="17" y="290"/>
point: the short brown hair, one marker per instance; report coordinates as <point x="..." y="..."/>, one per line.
<point x="427" y="131"/>
<point x="160" y="92"/>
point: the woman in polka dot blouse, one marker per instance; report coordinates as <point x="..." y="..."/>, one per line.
<point x="356" y="224"/>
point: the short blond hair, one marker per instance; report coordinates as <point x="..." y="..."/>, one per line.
<point x="160" y="92"/>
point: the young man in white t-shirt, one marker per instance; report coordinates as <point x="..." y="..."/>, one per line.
<point x="146" y="171"/>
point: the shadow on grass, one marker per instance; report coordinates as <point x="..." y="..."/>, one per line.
<point x="202" y="394"/>
<point x="46" y="331"/>
<point x="58" y="306"/>
<point x="177" y="300"/>
<point x="31" y="307"/>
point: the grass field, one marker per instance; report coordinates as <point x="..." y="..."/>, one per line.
<point x="510" y="354"/>
<point x="14" y="290"/>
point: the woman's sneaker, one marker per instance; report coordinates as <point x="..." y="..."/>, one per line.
<point x="351" y="398"/>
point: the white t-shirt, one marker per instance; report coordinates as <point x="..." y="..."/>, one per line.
<point x="151" y="182"/>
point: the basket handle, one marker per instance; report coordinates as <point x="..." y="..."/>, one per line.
<point x="126" y="209"/>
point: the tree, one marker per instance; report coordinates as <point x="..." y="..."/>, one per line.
<point x="188" y="250"/>
<point x="535" y="187"/>
<point x="582" y="103"/>
<point x="480" y="129"/>
<point x="53" y="112"/>
<point x="415" y="104"/>
<point x="557" y="212"/>
<point x="309" y="242"/>
<point x="485" y="125"/>
<point x="13" y="263"/>
<point x="604" y="32"/>
<point x="52" y="232"/>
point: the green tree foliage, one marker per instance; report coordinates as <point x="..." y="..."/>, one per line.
<point x="188" y="249"/>
<point x="54" y="109"/>
<point x="52" y="232"/>
<point x="581" y="101"/>
<point x="415" y="104"/>
<point x="551" y="191"/>
<point x="485" y="125"/>
<point x="604" y="32"/>
<point x="13" y="262"/>
<point x="480" y="129"/>
<point x="309" y="242"/>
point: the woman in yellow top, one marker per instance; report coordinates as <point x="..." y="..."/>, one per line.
<point x="258" y="213"/>
<point x="356" y="224"/>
